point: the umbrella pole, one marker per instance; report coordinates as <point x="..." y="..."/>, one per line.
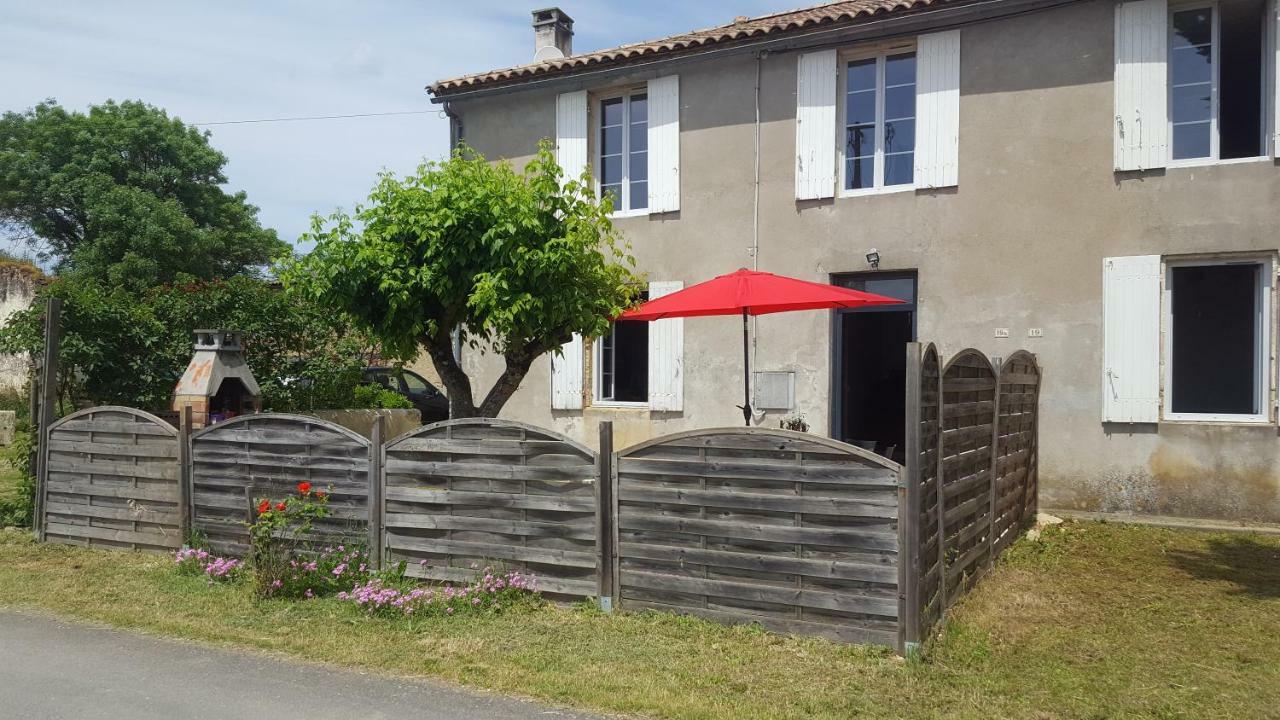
<point x="746" y="373"/>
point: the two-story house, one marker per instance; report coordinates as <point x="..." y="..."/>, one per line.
<point x="1092" y="180"/>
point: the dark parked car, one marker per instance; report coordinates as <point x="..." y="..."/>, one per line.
<point x="425" y="397"/>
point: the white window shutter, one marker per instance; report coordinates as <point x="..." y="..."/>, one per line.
<point x="566" y="376"/>
<point x="1142" y="85"/>
<point x="937" y="157"/>
<point x="1131" y="339"/>
<point x="666" y="355"/>
<point x="817" y="79"/>
<point x="664" y="144"/>
<point x="571" y="133"/>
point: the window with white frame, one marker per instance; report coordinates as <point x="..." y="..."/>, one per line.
<point x="1218" y="73"/>
<point x="622" y="150"/>
<point x="622" y="362"/>
<point x="1217" y="340"/>
<point x="879" y="121"/>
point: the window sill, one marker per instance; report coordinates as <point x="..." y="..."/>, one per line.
<point x="886" y="190"/>
<point x="618" y="405"/>
<point x="1225" y="420"/>
<point x="628" y="213"/>
<point x="1210" y="162"/>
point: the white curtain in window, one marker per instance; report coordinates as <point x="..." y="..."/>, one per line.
<point x="1142" y="85"/>
<point x="666" y="355"/>
<point x="1131" y="339"/>
<point x="664" y="144"/>
<point x="938" y="110"/>
<point x="566" y="376"/>
<point x="817" y="80"/>
<point x="571" y="133"/>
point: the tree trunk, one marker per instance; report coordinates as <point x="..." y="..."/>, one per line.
<point x="517" y="366"/>
<point x="457" y="384"/>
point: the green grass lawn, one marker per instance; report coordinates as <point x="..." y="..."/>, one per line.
<point x="1091" y="621"/>
<point x="9" y="479"/>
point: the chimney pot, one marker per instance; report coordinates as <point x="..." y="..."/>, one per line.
<point x="552" y="34"/>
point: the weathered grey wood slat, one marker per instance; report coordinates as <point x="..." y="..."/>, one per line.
<point x="496" y="551"/>
<point x="845" y="601"/>
<point x="141" y="450"/>
<point x="581" y="531"/>
<point x="815" y="504"/>
<point x="490" y="499"/>
<point x="158" y="493"/>
<point x="761" y="562"/>
<point x="140" y="514"/>
<point x="396" y="465"/>
<point x="831" y="631"/>
<point x="762" y="470"/>
<point x="553" y="585"/>
<point x="169" y="539"/>
<point x="123" y="427"/>
<point x="153" y="471"/>
<point x="873" y="539"/>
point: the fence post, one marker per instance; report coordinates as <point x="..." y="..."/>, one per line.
<point x="995" y="465"/>
<point x="941" y="505"/>
<point x="909" y="513"/>
<point x="48" y="402"/>
<point x="185" y="473"/>
<point x="375" y="494"/>
<point x="605" y="517"/>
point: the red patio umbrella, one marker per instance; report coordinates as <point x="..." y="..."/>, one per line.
<point x="749" y="292"/>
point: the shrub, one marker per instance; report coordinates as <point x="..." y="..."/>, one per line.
<point x="375" y="396"/>
<point x="491" y="591"/>
<point x="17" y="510"/>
<point x="195" y="561"/>
<point x="288" y="565"/>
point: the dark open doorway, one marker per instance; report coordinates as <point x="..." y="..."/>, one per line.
<point x="870" y="363"/>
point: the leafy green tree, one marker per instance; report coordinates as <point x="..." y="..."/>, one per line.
<point x="123" y="348"/>
<point x="125" y="195"/>
<point x="515" y="263"/>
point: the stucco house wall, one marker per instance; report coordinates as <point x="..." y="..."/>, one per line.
<point x="1019" y="244"/>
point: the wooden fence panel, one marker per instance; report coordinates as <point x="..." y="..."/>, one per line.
<point x="927" y="426"/>
<point x="968" y="424"/>
<point x="463" y="494"/>
<point x="112" y="481"/>
<point x="796" y="532"/>
<point x="267" y="456"/>
<point x="1016" y="451"/>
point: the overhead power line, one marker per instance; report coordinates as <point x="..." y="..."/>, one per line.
<point x="316" y="117"/>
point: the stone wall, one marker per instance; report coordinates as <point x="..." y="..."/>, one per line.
<point x="18" y="283"/>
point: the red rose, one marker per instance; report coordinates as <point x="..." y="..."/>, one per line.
<point x="304" y="487"/>
<point x="320" y="494"/>
<point x="264" y="506"/>
<point x="280" y="506"/>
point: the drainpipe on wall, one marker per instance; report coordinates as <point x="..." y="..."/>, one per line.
<point x="755" y="224"/>
<point x="455" y="125"/>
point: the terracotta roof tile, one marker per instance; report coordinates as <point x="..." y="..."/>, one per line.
<point x="741" y="29"/>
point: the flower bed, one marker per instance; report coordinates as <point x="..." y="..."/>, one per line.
<point x="490" y="592"/>
<point x="195" y="561"/>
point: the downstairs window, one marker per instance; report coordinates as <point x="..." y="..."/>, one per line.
<point x="1218" y="341"/>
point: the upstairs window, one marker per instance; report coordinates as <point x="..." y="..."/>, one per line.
<point x="1216" y="73"/>
<point x="879" y="119"/>
<point x="623" y="149"/>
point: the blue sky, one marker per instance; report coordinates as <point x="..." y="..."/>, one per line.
<point x="231" y="60"/>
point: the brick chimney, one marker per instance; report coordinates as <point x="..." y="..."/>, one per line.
<point x="552" y="34"/>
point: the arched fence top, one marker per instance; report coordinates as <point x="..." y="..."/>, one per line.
<point x="785" y="438"/>
<point x="1021" y="357"/>
<point x="930" y="353"/>
<point x="89" y="412"/>
<point x="261" y="418"/>
<point x="532" y="432"/>
<point x="969" y="357"/>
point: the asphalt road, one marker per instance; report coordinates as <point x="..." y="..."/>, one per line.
<point x="55" y="669"/>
